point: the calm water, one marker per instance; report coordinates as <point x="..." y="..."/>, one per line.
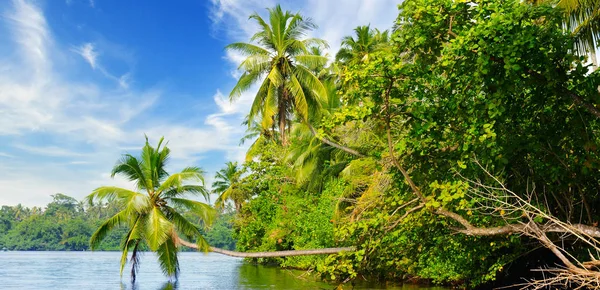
<point x="100" y="270"/>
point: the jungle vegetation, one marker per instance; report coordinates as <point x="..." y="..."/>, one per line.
<point x="455" y="147"/>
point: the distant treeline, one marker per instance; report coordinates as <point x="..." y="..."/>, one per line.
<point x="67" y="224"/>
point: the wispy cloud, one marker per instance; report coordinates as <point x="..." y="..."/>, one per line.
<point x="47" y="112"/>
<point x="48" y="151"/>
<point x="88" y="52"/>
<point x="6" y="155"/>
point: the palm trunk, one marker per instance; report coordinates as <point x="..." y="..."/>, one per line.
<point x="326" y="251"/>
<point x="238" y="206"/>
<point x="282" y="115"/>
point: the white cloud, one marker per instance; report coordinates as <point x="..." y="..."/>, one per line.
<point x="48" y="151"/>
<point x="48" y="112"/>
<point x="88" y="52"/>
<point x="124" y="81"/>
<point x="6" y="155"/>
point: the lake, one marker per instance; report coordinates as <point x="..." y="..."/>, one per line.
<point x="100" y="270"/>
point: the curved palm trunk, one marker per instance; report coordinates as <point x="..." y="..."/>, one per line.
<point x="326" y="251"/>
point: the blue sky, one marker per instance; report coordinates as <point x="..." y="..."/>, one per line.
<point x="82" y="81"/>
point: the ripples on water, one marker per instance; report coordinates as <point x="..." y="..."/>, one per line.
<point x="100" y="270"/>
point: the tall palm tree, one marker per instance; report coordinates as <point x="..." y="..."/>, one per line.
<point x="357" y="49"/>
<point x="227" y="185"/>
<point x="279" y="57"/>
<point x="148" y="213"/>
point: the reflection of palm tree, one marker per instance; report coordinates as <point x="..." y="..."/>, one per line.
<point x="290" y="86"/>
<point x="227" y="186"/>
<point x="147" y="212"/>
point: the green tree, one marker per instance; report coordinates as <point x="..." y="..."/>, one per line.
<point x="227" y="186"/>
<point x="279" y="53"/>
<point x="151" y="220"/>
<point x="367" y="41"/>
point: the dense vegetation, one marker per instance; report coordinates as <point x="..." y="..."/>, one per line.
<point x="444" y="149"/>
<point x="66" y="224"/>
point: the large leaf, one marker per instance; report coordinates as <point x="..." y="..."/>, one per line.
<point x="178" y="180"/>
<point x="167" y="258"/>
<point x="158" y="229"/>
<point x="206" y="212"/>
<point x="131" y="168"/>
<point x="116" y="220"/>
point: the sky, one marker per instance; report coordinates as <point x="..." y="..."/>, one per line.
<point x="83" y="81"/>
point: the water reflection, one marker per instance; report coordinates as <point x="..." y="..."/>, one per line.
<point x="261" y="277"/>
<point x="100" y="270"/>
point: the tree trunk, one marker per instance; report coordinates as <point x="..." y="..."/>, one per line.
<point x="326" y="251"/>
<point x="282" y="115"/>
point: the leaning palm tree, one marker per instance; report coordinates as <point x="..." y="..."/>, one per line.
<point x="148" y="213"/>
<point x="227" y="185"/>
<point x="358" y="49"/>
<point x="282" y="62"/>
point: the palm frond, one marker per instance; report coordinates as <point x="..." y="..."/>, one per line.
<point x="116" y="220"/>
<point x="130" y="167"/>
<point x="297" y="92"/>
<point x="247" y="49"/>
<point x="111" y="193"/>
<point x="187" y="189"/>
<point x="204" y="211"/>
<point x="178" y="180"/>
<point x="167" y="258"/>
<point x="247" y="79"/>
<point x="158" y="229"/>
<point x="181" y="224"/>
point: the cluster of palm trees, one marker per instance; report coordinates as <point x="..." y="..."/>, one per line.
<point x="296" y="86"/>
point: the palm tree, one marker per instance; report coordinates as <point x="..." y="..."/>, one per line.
<point x="357" y="49"/>
<point x="227" y="185"/>
<point x="284" y="62"/>
<point x="147" y="212"/>
<point x="260" y="135"/>
<point x="582" y="18"/>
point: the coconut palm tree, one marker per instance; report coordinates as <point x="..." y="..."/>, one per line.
<point x="227" y="185"/>
<point x="357" y="49"/>
<point x="582" y="18"/>
<point x="584" y="21"/>
<point x="282" y="62"/>
<point x="153" y="223"/>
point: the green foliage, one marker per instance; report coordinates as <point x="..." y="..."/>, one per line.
<point x="459" y="87"/>
<point x="148" y="214"/>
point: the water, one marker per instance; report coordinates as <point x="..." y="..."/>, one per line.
<point x="100" y="270"/>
